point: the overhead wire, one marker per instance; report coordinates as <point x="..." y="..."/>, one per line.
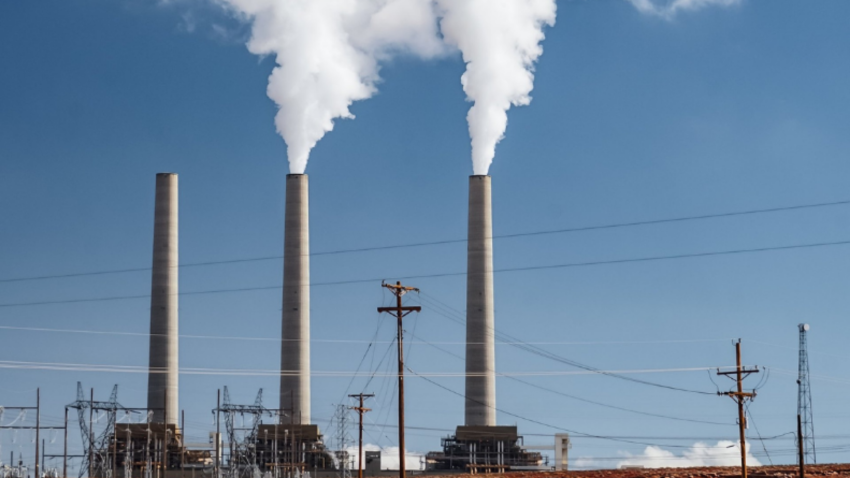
<point x="538" y="422"/>
<point x="362" y="359"/>
<point x="454" y="241"/>
<point x="331" y="341"/>
<point x="111" y="368"/>
<point x="455" y="274"/>
<point x="549" y="355"/>
<point x="580" y="399"/>
<point x="750" y="414"/>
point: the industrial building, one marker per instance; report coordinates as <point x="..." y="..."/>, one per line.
<point x="479" y="445"/>
<point x="283" y="442"/>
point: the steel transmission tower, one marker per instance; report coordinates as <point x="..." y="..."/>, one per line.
<point x="342" y="440"/>
<point x="804" y="401"/>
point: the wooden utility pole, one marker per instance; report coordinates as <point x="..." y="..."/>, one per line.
<point x="360" y="411"/>
<point x="115" y="444"/>
<point x="399" y="312"/>
<point x="37" y="427"/>
<point x="218" y="434"/>
<point x="65" y="447"/>
<point x="182" y="446"/>
<point x="91" y="434"/>
<point x="740" y="396"/>
<point x="802" y="456"/>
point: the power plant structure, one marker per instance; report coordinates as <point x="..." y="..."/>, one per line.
<point x="294" y="420"/>
<point x="480" y="406"/>
<point x="479" y="444"/>
<point x="163" y="378"/>
<point x="154" y="445"/>
<point x="149" y="442"/>
<point x="295" y="343"/>
<point x="281" y="441"/>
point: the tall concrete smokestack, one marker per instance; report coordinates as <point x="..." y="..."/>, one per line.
<point x="480" y="347"/>
<point x="295" y="348"/>
<point x="163" y="371"/>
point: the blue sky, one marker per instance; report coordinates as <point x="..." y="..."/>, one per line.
<point x="635" y="117"/>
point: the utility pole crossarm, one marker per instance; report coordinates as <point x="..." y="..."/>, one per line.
<point x="737" y="394"/>
<point x="397" y="287"/>
<point x="404" y="310"/>
<point x="744" y="372"/>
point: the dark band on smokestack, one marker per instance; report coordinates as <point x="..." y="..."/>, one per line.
<point x="163" y="371"/>
<point x="480" y="346"/>
<point x="295" y="348"/>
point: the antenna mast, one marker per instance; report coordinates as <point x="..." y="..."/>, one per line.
<point x="804" y="401"/>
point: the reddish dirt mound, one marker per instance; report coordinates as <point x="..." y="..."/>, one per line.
<point x="788" y="471"/>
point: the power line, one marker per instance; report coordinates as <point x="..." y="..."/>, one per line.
<point x="549" y="355"/>
<point x="342" y="341"/>
<point x="549" y="425"/>
<point x="450" y="241"/>
<point x="763" y="445"/>
<point x="580" y="399"/>
<point x="82" y="367"/>
<point x="457" y="274"/>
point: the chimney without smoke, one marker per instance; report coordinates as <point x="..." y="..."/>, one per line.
<point x="163" y="361"/>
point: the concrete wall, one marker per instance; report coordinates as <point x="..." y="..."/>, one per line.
<point x="163" y="373"/>
<point x="295" y="347"/>
<point x="480" y="348"/>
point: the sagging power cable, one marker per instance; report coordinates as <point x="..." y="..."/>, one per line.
<point x="452" y="241"/>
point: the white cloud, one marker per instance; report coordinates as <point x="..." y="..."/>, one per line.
<point x="669" y="8"/>
<point x="725" y="453"/>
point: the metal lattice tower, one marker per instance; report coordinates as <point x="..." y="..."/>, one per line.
<point x="804" y="399"/>
<point x="342" y="440"/>
<point x="243" y="439"/>
<point x="95" y="448"/>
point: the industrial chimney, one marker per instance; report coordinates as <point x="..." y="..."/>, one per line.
<point x="480" y="346"/>
<point x="163" y="370"/>
<point x="295" y="346"/>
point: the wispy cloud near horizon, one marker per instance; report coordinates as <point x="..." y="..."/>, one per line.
<point x="670" y="8"/>
<point x="724" y="453"/>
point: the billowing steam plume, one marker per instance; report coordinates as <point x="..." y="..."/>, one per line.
<point x="328" y="54"/>
<point x="500" y="42"/>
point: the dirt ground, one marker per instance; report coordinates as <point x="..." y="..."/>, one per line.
<point x="786" y="471"/>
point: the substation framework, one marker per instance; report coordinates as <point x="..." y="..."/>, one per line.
<point x="143" y="449"/>
<point x="258" y="441"/>
<point x="282" y="448"/>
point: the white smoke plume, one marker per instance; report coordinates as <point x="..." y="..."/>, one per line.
<point x="725" y="453"/>
<point x="328" y="55"/>
<point x="669" y="8"/>
<point x="500" y="41"/>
